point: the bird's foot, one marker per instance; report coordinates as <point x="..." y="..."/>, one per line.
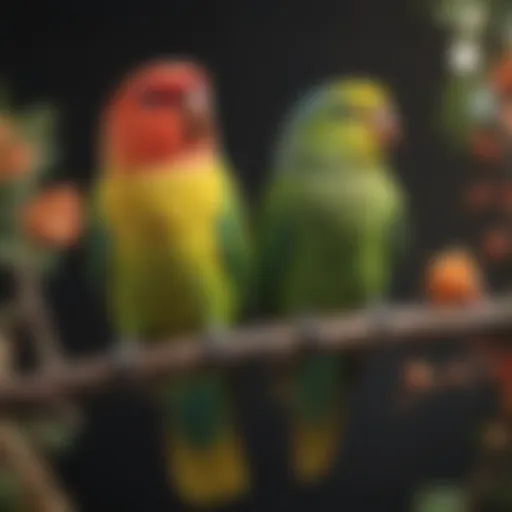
<point x="215" y="340"/>
<point x="309" y="333"/>
<point x="125" y="355"/>
<point x="379" y="317"/>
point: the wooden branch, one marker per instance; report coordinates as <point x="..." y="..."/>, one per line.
<point x="357" y="331"/>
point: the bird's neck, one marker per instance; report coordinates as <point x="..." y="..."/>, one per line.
<point x="185" y="155"/>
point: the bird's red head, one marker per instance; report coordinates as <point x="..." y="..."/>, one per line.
<point x="162" y="111"/>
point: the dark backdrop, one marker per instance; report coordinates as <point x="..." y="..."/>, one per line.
<point x="263" y="53"/>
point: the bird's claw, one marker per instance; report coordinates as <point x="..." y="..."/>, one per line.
<point x="379" y="315"/>
<point x="309" y="334"/>
<point x="125" y="355"/>
<point x="215" y="341"/>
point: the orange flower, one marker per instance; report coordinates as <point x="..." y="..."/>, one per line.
<point x="54" y="218"/>
<point x="418" y="376"/>
<point x="485" y="147"/>
<point x="453" y="277"/>
<point x="16" y="156"/>
<point x="501" y="75"/>
<point x="501" y="82"/>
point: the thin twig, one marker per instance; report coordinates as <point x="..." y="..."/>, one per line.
<point x="38" y="319"/>
<point x="36" y="316"/>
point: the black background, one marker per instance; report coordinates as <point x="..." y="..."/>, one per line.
<point x="264" y="54"/>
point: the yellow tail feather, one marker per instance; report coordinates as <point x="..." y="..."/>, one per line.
<point x="314" y="450"/>
<point x="211" y="477"/>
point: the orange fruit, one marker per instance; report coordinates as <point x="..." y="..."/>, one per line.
<point x="16" y="156"/>
<point x="418" y="375"/>
<point x="453" y="277"/>
<point x="54" y="217"/>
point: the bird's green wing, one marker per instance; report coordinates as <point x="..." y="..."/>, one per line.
<point x="276" y="246"/>
<point x="38" y="124"/>
<point x="310" y="386"/>
<point x="403" y="258"/>
<point x="201" y="404"/>
<point x="235" y="246"/>
<point x="97" y="249"/>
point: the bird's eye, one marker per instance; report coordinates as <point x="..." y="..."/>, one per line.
<point x="160" y="97"/>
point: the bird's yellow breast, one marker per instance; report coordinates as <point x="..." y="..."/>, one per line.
<point x="177" y="202"/>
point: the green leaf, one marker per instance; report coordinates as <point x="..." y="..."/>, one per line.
<point x="11" y="496"/>
<point x="39" y="119"/>
<point x="442" y="498"/>
<point x="458" y="113"/>
<point x="38" y="124"/>
<point x="52" y="435"/>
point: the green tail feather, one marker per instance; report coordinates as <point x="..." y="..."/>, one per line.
<point x="198" y="407"/>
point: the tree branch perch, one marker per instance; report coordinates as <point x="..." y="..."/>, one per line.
<point x="350" y="332"/>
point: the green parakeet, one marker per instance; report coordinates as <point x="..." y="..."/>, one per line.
<point x="332" y="227"/>
<point x="171" y="247"/>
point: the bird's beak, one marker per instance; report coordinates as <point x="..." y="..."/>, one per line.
<point x="197" y="116"/>
<point x="390" y="131"/>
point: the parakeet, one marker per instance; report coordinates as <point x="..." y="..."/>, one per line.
<point x="171" y="247"/>
<point x="332" y="225"/>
